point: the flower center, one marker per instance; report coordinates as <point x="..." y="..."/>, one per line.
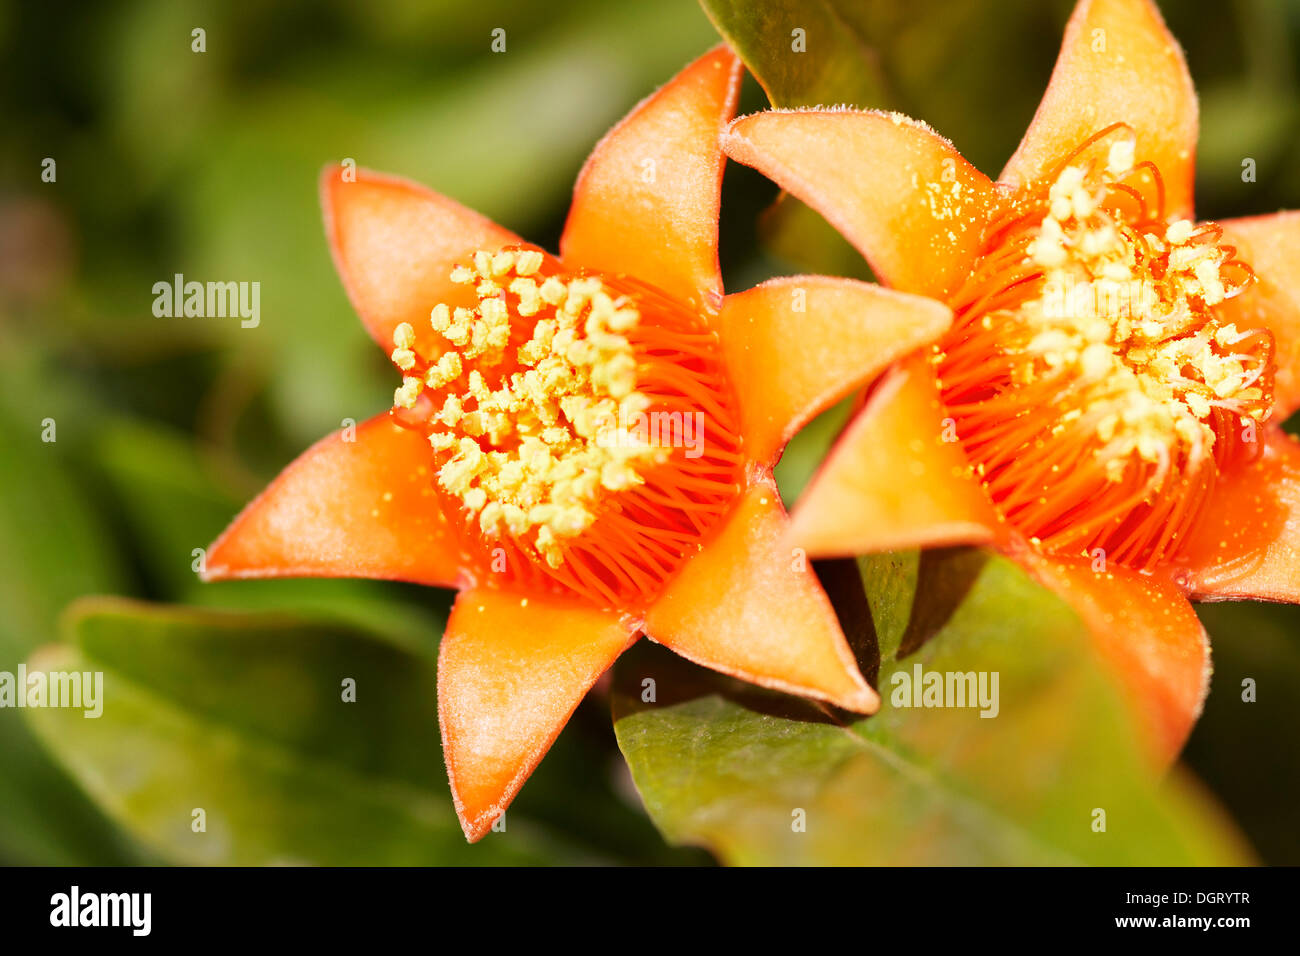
<point x="581" y="424"/>
<point x="1088" y="374"/>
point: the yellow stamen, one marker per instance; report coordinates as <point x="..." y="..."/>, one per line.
<point x="550" y="412"/>
<point x="1094" y="384"/>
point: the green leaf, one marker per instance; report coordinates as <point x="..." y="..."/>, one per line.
<point x="244" y="717"/>
<point x="794" y="232"/>
<point x="53" y="548"/>
<point x="803" y="52"/>
<point x="829" y="61"/>
<point x="735" y="768"/>
<point x="973" y="69"/>
<point x="807" y="449"/>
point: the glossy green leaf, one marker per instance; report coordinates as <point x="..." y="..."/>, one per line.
<point x="765" y="779"/>
<point x="244" y="717"/>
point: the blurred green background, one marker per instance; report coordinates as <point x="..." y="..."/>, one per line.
<point x="171" y="161"/>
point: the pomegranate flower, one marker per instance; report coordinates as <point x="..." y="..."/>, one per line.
<point x="1106" y="405"/>
<point x="581" y="445"/>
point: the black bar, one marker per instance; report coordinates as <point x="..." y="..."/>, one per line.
<point x="302" y="906"/>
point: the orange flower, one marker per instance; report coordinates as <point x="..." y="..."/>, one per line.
<point x="1106" y="406"/>
<point x="582" y="444"/>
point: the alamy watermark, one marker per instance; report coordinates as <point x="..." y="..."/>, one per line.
<point x="657" y="429"/>
<point x="213" y="300"/>
<point x="921" y="688"/>
<point x="83" y="690"/>
<point x="130" y="910"/>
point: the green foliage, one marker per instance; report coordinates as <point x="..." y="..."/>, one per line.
<point x="54" y="546"/>
<point x="300" y="740"/>
<point x="764" y="779"/>
<point x="206" y="164"/>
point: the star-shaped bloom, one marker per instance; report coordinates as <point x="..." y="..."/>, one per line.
<point x="1106" y="406"/>
<point x="582" y="444"/>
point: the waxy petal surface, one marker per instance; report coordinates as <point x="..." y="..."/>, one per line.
<point x="511" y="670"/>
<point x="394" y="244"/>
<point x="1118" y="64"/>
<point x="749" y="606"/>
<point x="346" y="509"/>
<point x="1247" y="542"/>
<point x="1271" y="246"/>
<point x="891" y="481"/>
<point x="1147" y="631"/>
<point x="646" y="204"/>
<point x="797" y="345"/>
<point x="893" y="187"/>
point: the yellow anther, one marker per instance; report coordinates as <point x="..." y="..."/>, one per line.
<point x="1207" y="274"/>
<point x="451" y="412"/>
<point x="503" y="262"/>
<point x="554" y="291"/>
<point x="1120" y="158"/>
<point x="489" y="519"/>
<point x="495" y="312"/>
<point x="617" y="374"/>
<point x="1126" y="318"/>
<point x="515" y="517"/>
<point x="623" y="319"/>
<point x="581" y="352"/>
<point x="530" y="436"/>
<point x="408" y="392"/>
<point x="462" y="468"/>
<point x="457" y="333"/>
<point x="527" y="262"/>
<point x="617" y="475"/>
<point x="445" y="370"/>
<point x="1179" y="232"/>
<point x="404" y="336"/>
<point x="530" y="301"/>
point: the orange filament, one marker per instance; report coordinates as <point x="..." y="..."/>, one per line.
<point x="582" y="428"/>
<point x="1091" y="379"/>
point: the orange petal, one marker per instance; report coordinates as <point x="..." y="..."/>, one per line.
<point x="796" y="345"/>
<point x="394" y="244"/>
<point x="646" y="204"/>
<point x="1148" y="633"/>
<point x="892" y="481"/>
<point x="1271" y="246"/>
<point x="1118" y="64"/>
<point x="511" y="670"/>
<point x="346" y="509"/>
<point x="1247" y="544"/>
<point x="749" y="606"/>
<point x="897" y="190"/>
